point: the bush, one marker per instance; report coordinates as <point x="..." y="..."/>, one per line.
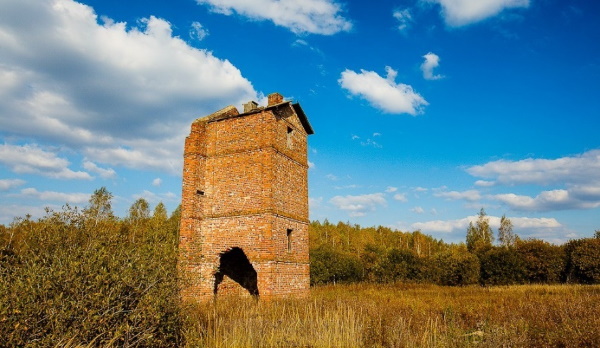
<point x="331" y="266"/>
<point x="542" y="261"/>
<point x="455" y="268"/>
<point x="501" y="266"/>
<point x="583" y="261"/>
<point x="400" y="265"/>
<point x="69" y="278"/>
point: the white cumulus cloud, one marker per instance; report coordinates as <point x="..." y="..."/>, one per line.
<point x="383" y="93"/>
<point x="31" y="159"/>
<point x="552" y="200"/>
<point x="463" y="12"/>
<point x="359" y="205"/>
<point x="307" y="16"/>
<point x="119" y="94"/>
<point x="576" y="177"/>
<point x="431" y="62"/>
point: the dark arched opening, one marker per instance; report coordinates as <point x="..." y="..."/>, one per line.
<point x="235" y="264"/>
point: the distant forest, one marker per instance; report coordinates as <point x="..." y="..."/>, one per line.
<point x="87" y="272"/>
<point x="344" y="252"/>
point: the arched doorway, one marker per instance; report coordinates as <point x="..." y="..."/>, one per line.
<point x="234" y="263"/>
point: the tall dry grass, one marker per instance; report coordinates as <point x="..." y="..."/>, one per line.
<point x="400" y="315"/>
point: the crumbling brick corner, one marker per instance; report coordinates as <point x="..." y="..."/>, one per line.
<point x="244" y="210"/>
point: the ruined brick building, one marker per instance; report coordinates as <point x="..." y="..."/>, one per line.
<point x="244" y="211"/>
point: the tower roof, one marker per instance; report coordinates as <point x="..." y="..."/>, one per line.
<point x="280" y="108"/>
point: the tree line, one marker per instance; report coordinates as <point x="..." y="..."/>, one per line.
<point x="350" y="253"/>
<point x="87" y="276"/>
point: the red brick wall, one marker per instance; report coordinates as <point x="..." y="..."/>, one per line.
<point x="251" y="170"/>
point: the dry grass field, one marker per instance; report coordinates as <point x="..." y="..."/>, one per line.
<point x="400" y="315"/>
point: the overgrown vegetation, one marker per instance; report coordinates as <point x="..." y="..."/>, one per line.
<point x="86" y="277"/>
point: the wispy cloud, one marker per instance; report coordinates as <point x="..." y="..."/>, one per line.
<point x="359" y="205"/>
<point x="8" y="184"/>
<point x="315" y="16"/>
<point x="401" y="197"/>
<point x="155" y="198"/>
<point x="469" y="195"/>
<point x="103" y="172"/>
<point x="198" y="32"/>
<point x="383" y="93"/>
<point x="31" y="159"/>
<point x="53" y="196"/>
<point x="484" y="183"/>
<point x="404" y="18"/>
<point x="418" y="210"/>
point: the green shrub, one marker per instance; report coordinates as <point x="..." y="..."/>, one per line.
<point x="501" y="266"/>
<point x="455" y="267"/>
<point x="543" y="262"/>
<point x="583" y="261"/>
<point x="331" y="266"/>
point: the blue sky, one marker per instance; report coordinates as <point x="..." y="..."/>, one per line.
<point x="424" y="111"/>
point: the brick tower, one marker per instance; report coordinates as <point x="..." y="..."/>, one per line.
<point x="244" y="211"/>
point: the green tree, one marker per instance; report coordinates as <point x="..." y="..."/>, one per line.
<point x="505" y="232"/>
<point x="99" y="207"/>
<point x="400" y="265"/>
<point x="480" y="236"/>
<point x="597" y="234"/>
<point x="373" y="259"/>
<point x="501" y="266"/>
<point x="139" y="210"/>
<point x="330" y="266"/>
<point x="160" y="212"/>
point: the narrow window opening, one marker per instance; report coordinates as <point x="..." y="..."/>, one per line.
<point x="289" y="239"/>
<point x="200" y="192"/>
<point x="290" y="132"/>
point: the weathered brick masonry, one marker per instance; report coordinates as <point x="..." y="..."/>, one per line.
<point x="244" y="212"/>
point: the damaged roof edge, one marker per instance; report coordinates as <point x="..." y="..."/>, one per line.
<point x="303" y="119"/>
<point x="231" y="112"/>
